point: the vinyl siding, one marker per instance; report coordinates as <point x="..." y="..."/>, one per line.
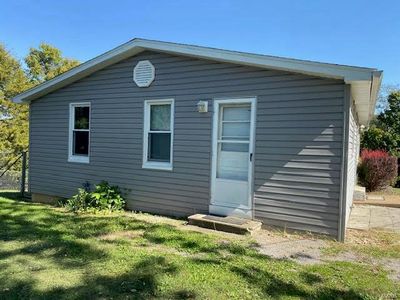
<point x="297" y="152"/>
<point x="298" y="159"/>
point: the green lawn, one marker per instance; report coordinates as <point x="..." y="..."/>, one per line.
<point x="46" y="252"/>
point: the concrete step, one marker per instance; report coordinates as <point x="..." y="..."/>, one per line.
<point x="359" y="193"/>
<point x="227" y="224"/>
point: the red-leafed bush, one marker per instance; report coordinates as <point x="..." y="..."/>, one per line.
<point x="377" y="169"/>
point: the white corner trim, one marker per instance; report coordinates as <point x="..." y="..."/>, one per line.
<point x="143" y="73"/>
<point x="71" y="157"/>
<point x="155" y="165"/>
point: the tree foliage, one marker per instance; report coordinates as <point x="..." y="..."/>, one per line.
<point x="46" y="62"/>
<point x="13" y="117"/>
<point x="384" y="132"/>
<point x="384" y="92"/>
<point x="390" y="118"/>
<point x="43" y="63"/>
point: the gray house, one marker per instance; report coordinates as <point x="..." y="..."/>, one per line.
<point x="190" y="129"/>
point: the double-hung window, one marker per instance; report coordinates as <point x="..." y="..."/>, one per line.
<point x="79" y="132"/>
<point x="158" y="134"/>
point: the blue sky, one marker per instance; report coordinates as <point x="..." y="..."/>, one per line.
<point x="364" y="33"/>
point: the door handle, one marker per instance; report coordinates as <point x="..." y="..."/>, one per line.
<point x="251" y="156"/>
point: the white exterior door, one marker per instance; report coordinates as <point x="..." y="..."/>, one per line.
<point x="233" y="136"/>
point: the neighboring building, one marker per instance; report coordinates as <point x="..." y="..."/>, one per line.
<point x="188" y="129"/>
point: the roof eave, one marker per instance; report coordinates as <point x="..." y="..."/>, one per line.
<point x="377" y="77"/>
<point x="351" y="75"/>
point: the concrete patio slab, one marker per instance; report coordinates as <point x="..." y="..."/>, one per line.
<point x="367" y="217"/>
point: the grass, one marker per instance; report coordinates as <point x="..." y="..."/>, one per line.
<point x="370" y="244"/>
<point x="396" y="191"/>
<point x="48" y="253"/>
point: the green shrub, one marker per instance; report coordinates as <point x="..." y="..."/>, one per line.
<point x="108" y="197"/>
<point x="81" y="201"/>
<point x="104" y="197"/>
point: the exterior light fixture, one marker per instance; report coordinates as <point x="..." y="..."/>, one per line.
<point x="202" y="106"/>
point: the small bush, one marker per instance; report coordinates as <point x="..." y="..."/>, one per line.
<point x="108" y="197"/>
<point x="377" y="169"/>
<point x="81" y="201"/>
<point x="104" y="197"/>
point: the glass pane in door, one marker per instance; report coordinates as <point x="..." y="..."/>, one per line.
<point x="233" y="142"/>
<point x="233" y="161"/>
<point x="236" y="130"/>
<point x="238" y="113"/>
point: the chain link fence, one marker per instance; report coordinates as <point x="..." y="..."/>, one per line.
<point x="14" y="175"/>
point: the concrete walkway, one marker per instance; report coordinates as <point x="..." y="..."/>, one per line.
<point x="366" y="217"/>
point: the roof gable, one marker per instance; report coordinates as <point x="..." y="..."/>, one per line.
<point x="364" y="82"/>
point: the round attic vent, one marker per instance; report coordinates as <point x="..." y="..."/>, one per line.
<point x="143" y="73"/>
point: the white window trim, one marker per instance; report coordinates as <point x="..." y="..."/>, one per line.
<point x="146" y="128"/>
<point x="71" y="157"/>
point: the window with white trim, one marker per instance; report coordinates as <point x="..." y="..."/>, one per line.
<point x="158" y="134"/>
<point x="79" y="132"/>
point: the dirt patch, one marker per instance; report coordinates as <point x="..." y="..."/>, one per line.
<point x="393" y="265"/>
<point x="310" y="249"/>
<point x="371" y="237"/>
<point x="154" y="219"/>
<point x="304" y="248"/>
<point x="304" y="251"/>
<point x="122" y="235"/>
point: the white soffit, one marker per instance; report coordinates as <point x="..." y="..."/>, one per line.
<point x="364" y="81"/>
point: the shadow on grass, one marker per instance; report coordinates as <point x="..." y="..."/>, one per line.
<point x="272" y="285"/>
<point x="72" y="242"/>
<point x="13" y="195"/>
<point x="139" y="283"/>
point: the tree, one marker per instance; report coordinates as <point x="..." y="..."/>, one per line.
<point x="384" y="132"/>
<point x="13" y="117"/>
<point x="43" y="63"/>
<point x="46" y="62"/>
<point x="384" y="92"/>
<point x="390" y="118"/>
<point x="376" y="138"/>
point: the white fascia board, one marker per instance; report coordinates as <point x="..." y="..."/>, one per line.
<point x="347" y="73"/>
<point x="377" y="77"/>
<point x="131" y="48"/>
